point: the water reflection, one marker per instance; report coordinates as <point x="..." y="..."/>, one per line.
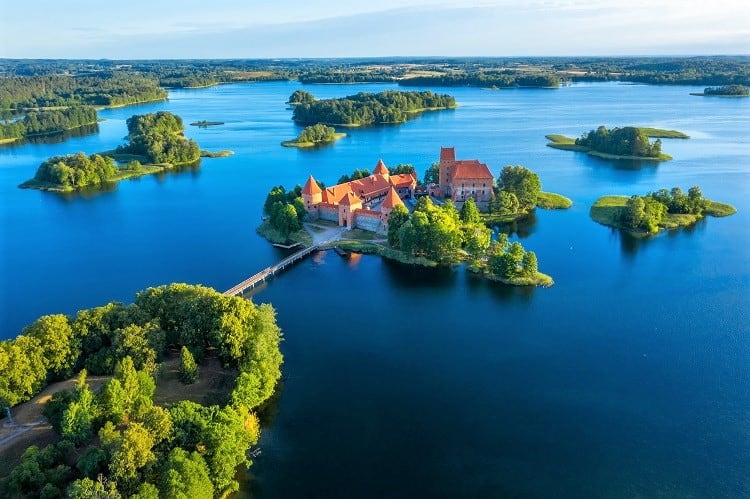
<point x="56" y="138"/>
<point x="630" y="244"/>
<point x="415" y="276"/>
<point x="523" y="227"/>
<point x="504" y="292"/>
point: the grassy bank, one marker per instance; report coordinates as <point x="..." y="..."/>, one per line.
<point x="217" y="154"/>
<point x="661" y="133"/>
<point x="552" y="201"/>
<point x="267" y="231"/>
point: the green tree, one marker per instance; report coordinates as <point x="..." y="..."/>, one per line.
<point x="530" y="264"/>
<point x="59" y="347"/>
<point x="469" y="212"/>
<point x="397" y="218"/>
<point x="185" y="475"/>
<point x="188" y="370"/>
<point x="522" y="182"/>
<point x="132" y="452"/>
<point x="87" y="488"/>
<point x="432" y="174"/>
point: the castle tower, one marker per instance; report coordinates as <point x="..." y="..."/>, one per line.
<point x="347" y="206"/>
<point x="390" y="201"/>
<point x="312" y="194"/>
<point x="381" y="169"/>
<point x="447" y="161"/>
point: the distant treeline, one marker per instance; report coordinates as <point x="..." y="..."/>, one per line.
<point x="48" y="121"/>
<point x="370" y="109"/>
<point x="483" y="79"/>
<point x="338" y="76"/>
<point x="108" y="89"/>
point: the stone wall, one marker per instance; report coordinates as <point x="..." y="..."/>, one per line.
<point x="330" y="214"/>
<point x="366" y="222"/>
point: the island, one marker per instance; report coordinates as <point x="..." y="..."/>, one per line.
<point x="47" y="122"/>
<point x="725" y="91"/>
<point x="444" y="232"/>
<point x="656" y="211"/>
<point x="206" y="124"/>
<point x="366" y="109"/>
<point x="314" y="135"/>
<point x="618" y="143"/>
<point x="164" y="402"/>
<point x="155" y="144"/>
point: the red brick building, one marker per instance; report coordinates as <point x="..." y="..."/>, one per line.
<point x="460" y="180"/>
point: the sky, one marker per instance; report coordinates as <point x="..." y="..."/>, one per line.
<point x="186" y="29"/>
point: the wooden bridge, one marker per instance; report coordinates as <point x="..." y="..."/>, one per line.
<point x="264" y="274"/>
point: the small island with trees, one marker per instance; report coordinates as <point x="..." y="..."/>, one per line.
<point x="618" y="143"/>
<point x="660" y="210"/>
<point x="725" y="91"/>
<point x="155" y="144"/>
<point x="314" y="135"/>
<point x="366" y="109"/>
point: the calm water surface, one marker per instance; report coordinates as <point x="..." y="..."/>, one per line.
<point x="628" y="378"/>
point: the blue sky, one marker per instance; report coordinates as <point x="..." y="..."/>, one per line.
<point x="356" y="28"/>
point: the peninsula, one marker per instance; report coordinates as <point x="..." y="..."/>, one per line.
<point x="140" y="430"/>
<point x="618" y="143"/>
<point x="47" y="122"/>
<point x="725" y="91"/>
<point x="656" y="211"/>
<point x="155" y="144"/>
<point x="365" y="109"/>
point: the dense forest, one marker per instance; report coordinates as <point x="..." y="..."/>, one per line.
<point x="117" y="442"/>
<point x="48" y="121"/>
<point x="483" y="79"/>
<point x="159" y="137"/>
<point x="370" y="109"/>
<point x="114" y="88"/>
<point x="75" y="171"/>
<point x="626" y="141"/>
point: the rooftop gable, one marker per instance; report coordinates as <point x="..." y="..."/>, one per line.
<point x="311" y="187"/>
<point x="471" y="169"/>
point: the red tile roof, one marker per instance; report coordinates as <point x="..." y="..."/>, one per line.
<point x="350" y="199"/>
<point x="391" y="200"/>
<point x="311" y="187"/>
<point x="380" y="168"/>
<point x="403" y="180"/>
<point x="471" y="169"/>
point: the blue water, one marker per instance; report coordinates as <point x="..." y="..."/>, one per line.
<point x="628" y="378"/>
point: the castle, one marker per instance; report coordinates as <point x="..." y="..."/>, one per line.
<point x="364" y="203"/>
<point x="460" y="180"/>
<point x="367" y="203"/>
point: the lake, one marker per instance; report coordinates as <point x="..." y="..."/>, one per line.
<point x="628" y="378"/>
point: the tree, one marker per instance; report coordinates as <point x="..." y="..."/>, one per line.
<point x="87" y="488"/>
<point x="22" y="369"/>
<point x="522" y="182"/>
<point x="59" y="347"/>
<point x="185" y="475"/>
<point x="398" y="217"/>
<point x="469" y="212"/>
<point x="77" y="419"/>
<point x="132" y="452"/>
<point x="188" y="370"/>
<point x="530" y="264"/>
<point x="633" y="214"/>
<point x="432" y="174"/>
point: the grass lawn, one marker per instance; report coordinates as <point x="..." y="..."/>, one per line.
<point x="552" y="201"/>
<point x="213" y="386"/>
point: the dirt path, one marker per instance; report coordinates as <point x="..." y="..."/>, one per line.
<point x="28" y="416"/>
<point x="322" y="234"/>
